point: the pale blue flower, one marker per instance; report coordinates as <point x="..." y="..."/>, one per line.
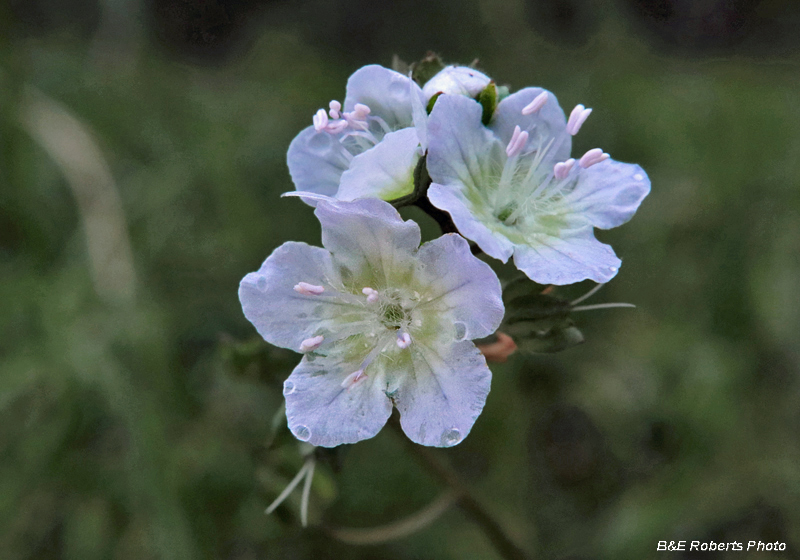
<point x="513" y="189"/>
<point x="382" y="322"/>
<point x="369" y="147"/>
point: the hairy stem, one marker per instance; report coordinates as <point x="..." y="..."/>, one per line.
<point x="421" y="183"/>
<point x="464" y="498"/>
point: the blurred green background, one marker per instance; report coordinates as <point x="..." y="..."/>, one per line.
<point x="142" y="154"/>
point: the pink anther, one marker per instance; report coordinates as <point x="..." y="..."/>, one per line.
<point x="562" y="169"/>
<point x="336" y="127"/>
<point x="353" y="378"/>
<point x="360" y="111"/>
<point x="312" y="343"/>
<point x="372" y="295"/>
<point x="403" y="340"/>
<point x="577" y="118"/>
<point x="308" y="289"/>
<point x="320" y="120"/>
<point x="537" y="103"/>
<point x="335" y="109"/>
<point x="592" y="157"/>
<point x="517" y="142"/>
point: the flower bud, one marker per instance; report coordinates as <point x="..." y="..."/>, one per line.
<point x="457" y="80"/>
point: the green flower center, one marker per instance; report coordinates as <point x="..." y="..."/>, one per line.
<point x="393" y="315"/>
<point x="504" y="213"/>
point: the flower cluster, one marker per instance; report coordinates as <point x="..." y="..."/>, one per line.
<point x="383" y="322"/>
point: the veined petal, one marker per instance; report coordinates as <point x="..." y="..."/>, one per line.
<point x="386" y="171"/>
<point x="565" y="260"/>
<point x="369" y="239"/>
<point x="316" y="161"/>
<point x="283" y="316"/>
<point x="471" y="218"/>
<point x="387" y="93"/>
<point x="323" y="413"/>
<point x="609" y="193"/>
<point x="444" y="393"/>
<point x="461" y="287"/>
<point x="420" y="115"/>
<point x="545" y="124"/>
<point x="460" y="148"/>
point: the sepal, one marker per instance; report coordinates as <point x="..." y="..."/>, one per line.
<point x="539" y="322"/>
<point x="488" y="98"/>
<point x="426" y="68"/>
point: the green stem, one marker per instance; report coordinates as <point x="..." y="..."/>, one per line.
<point x="397" y="529"/>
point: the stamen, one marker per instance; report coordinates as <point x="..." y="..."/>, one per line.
<point x="360" y="111"/>
<point x="357" y="118"/>
<point x="372" y="295"/>
<point x="540" y="154"/>
<point x="355" y="123"/>
<point x="336" y="126"/>
<point x="310" y="344"/>
<point x="562" y="169"/>
<point x="537" y="103"/>
<point x="353" y="378"/>
<point x="308" y="289"/>
<point x="383" y="125"/>
<point x="320" y="120"/>
<point x="403" y="340"/>
<point x="577" y="118"/>
<point x="592" y="157"/>
<point x="517" y="142"/>
<point x="528" y="181"/>
<point x="335" y="109"/>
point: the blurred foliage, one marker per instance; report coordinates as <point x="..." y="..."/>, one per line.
<point x="143" y="427"/>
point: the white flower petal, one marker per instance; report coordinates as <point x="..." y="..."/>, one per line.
<point x="369" y="239"/>
<point x="420" y="114"/>
<point x="387" y="93"/>
<point x="282" y="315"/>
<point x="440" y="399"/>
<point x="460" y="148"/>
<point x="561" y="261"/>
<point x="462" y="288"/>
<point x="316" y="162"/>
<point x="323" y="413"/>
<point x="609" y="193"/>
<point x="471" y="219"/>
<point x="386" y="171"/>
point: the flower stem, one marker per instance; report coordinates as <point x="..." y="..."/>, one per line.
<point x="397" y="529"/>
<point x="464" y="498"/>
<point x="442" y="218"/>
<point x="420" y="199"/>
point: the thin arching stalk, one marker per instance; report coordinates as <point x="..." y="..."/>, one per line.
<point x="464" y="498"/>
